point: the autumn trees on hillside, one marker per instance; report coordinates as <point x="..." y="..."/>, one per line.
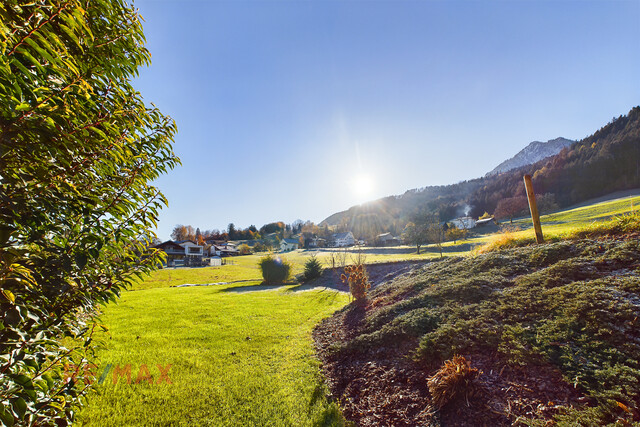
<point x="279" y="229"/>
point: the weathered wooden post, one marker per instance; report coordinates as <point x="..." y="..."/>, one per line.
<point x="535" y="216"/>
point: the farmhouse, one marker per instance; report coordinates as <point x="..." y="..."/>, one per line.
<point x="287" y="245"/>
<point x="464" y="223"/>
<point x="341" y="240"/>
<point x="387" y="239"/>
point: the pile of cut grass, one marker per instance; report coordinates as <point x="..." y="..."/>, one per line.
<point x="571" y="304"/>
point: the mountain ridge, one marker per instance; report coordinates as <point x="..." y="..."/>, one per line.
<point x="532" y="153"/>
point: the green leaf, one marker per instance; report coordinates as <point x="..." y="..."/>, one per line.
<point x="81" y="260"/>
<point x="19" y="407"/>
<point x="6" y="418"/>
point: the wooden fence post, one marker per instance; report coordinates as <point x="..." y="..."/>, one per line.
<point x="535" y="216"/>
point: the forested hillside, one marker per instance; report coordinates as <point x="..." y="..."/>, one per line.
<point x="607" y="161"/>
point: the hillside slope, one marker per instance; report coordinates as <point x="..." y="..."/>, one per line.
<point x="607" y="161"/>
<point x="532" y="153"/>
<point x="553" y="328"/>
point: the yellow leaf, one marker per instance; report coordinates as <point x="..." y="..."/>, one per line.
<point x="9" y="295"/>
<point x="624" y="407"/>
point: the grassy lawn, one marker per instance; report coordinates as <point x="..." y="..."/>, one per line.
<point x="243" y="268"/>
<point x="237" y="358"/>
<point x="246" y="267"/>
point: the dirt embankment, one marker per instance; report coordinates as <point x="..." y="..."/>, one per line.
<point x="536" y="321"/>
<point x="386" y="388"/>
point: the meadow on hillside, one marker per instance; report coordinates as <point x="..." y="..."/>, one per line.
<point x="537" y="334"/>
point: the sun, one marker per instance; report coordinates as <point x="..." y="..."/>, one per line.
<point x="362" y="185"/>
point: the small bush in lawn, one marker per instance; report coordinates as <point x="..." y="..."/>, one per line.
<point x="312" y="268"/>
<point x="274" y="269"/>
<point x="452" y="380"/>
<point x="244" y="249"/>
<point x="356" y="276"/>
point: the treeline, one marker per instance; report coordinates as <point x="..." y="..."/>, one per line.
<point x="605" y="162"/>
<point x="273" y="231"/>
<point x="187" y="232"/>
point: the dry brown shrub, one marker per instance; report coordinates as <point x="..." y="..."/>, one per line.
<point x="356" y="277"/>
<point x="452" y="380"/>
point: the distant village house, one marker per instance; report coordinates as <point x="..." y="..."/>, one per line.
<point x="287" y="245"/>
<point x="464" y="223"/>
<point x="188" y="253"/>
<point x="387" y="239"/>
<point x="315" y="242"/>
<point x="182" y="253"/>
<point x="341" y="240"/>
<point x="223" y="250"/>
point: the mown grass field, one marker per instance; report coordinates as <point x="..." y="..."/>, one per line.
<point x="246" y="267"/>
<point x="237" y="357"/>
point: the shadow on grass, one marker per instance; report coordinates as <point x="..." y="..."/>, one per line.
<point x="463" y="247"/>
<point x="311" y="286"/>
<point x="288" y="287"/>
<point x="260" y="287"/>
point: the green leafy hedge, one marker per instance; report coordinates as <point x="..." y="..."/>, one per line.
<point x="78" y="148"/>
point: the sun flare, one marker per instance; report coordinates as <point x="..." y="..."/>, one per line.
<point x="362" y="185"/>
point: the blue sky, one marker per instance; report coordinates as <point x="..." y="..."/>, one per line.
<point x="283" y="107"/>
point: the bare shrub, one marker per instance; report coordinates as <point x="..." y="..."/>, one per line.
<point x="359" y="258"/>
<point x="356" y="277"/>
<point x="341" y="258"/>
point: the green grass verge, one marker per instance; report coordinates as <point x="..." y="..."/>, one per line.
<point x="237" y="358"/>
